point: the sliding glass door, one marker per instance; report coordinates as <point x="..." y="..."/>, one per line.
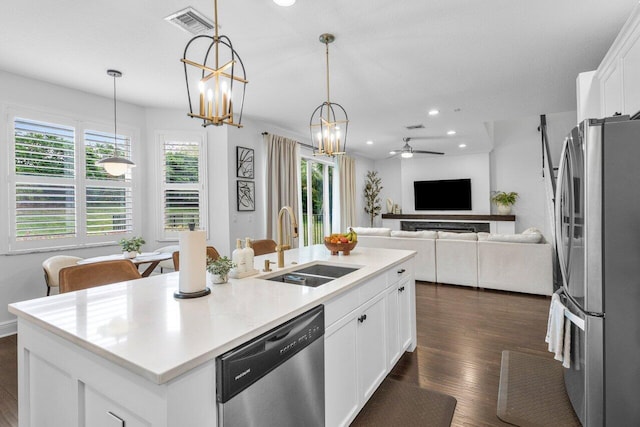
<point x="316" y="200"/>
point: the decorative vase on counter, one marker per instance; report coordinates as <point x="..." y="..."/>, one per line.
<point x="129" y="254"/>
<point x="504" y="209"/>
<point x="216" y="279"/>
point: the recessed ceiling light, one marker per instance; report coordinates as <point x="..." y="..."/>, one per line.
<point x="451" y="132"/>
<point x="462" y="145"/>
<point x="369" y="142"/>
<point x="434" y="112"/>
<point x="285" y="3"/>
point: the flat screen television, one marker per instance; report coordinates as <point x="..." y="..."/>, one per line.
<point x="442" y="195"/>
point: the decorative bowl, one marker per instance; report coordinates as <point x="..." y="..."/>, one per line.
<point x="337" y="247"/>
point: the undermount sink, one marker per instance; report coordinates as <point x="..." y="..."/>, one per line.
<point x="313" y="275"/>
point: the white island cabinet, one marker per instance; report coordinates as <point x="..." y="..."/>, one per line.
<point x="129" y="354"/>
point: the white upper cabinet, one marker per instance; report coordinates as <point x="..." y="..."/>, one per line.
<point x="619" y="70"/>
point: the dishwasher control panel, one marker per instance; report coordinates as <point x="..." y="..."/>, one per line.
<point x="244" y="365"/>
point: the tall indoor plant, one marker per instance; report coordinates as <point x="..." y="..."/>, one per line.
<point x="372" y="189"/>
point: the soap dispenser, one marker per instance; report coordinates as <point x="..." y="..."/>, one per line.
<point x="238" y="257"/>
<point x="248" y="254"/>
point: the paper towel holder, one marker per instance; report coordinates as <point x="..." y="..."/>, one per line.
<point x="189" y="295"/>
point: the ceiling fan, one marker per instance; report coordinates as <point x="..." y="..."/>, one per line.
<point x="407" y="151"/>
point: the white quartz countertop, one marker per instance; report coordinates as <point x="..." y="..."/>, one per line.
<point x="139" y="325"/>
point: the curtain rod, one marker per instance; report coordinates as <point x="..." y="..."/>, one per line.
<point x="300" y="143"/>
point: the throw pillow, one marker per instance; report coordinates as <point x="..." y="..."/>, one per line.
<point x="372" y="231"/>
<point x="515" y="238"/>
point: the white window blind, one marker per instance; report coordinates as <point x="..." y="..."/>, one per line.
<point x="183" y="185"/>
<point x="57" y="195"/>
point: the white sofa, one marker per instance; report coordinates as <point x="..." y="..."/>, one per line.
<point x="505" y="262"/>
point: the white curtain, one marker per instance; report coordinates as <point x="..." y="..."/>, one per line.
<point x="282" y="180"/>
<point x="347" y="179"/>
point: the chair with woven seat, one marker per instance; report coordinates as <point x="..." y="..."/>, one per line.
<point x="52" y="266"/>
<point x="97" y="274"/>
<point x="211" y="253"/>
<point x="264" y="246"/>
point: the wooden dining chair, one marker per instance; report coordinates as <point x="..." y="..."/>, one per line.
<point x="97" y="274"/>
<point x="211" y="253"/>
<point x="52" y="267"/>
<point x="264" y="246"/>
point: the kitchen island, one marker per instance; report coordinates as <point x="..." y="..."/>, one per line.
<point x="131" y="351"/>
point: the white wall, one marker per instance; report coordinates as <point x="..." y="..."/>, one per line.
<point x="474" y="166"/>
<point x="390" y="170"/>
<point x="22" y="276"/>
<point x="516" y="164"/>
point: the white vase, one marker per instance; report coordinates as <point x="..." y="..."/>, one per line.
<point x="504" y="209"/>
<point x="129" y="254"/>
<point x="216" y="279"/>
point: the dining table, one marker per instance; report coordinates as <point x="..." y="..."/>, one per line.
<point x="151" y="258"/>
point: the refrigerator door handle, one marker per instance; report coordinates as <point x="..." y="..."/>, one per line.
<point x="563" y="175"/>
<point x="574" y="319"/>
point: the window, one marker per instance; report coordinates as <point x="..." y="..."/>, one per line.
<point x="58" y="195"/>
<point x="316" y="200"/>
<point x="183" y="184"/>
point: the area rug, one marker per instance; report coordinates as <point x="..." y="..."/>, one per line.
<point x="400" y="404"/>
<point x="532" y="392"/>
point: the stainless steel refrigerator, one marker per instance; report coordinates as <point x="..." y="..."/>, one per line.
<point x="598" y="244"/>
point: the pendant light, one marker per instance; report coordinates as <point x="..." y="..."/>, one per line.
<point x="329" y="120"/>
<point x="115" y="165"/>
<point x="217" y="89"/>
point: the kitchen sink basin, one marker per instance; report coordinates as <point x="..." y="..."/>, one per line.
<point x="313" y="275"/>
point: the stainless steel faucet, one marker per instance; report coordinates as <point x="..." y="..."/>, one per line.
<point x="294" y="224"/>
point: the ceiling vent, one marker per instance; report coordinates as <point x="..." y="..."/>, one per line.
<point x="411" y="127"/>
<point x="191" y="21"/>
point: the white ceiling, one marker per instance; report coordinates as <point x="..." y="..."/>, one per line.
<point x="391" y="63"/>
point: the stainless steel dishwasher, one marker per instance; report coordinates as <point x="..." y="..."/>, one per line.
<point x="276" y="379"/>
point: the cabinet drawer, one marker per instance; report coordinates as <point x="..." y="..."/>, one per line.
<point x="100" y="411"/>
<point x="372" y="288"/>
<point x="399" y="272"/>
<point x="340" y="306"/>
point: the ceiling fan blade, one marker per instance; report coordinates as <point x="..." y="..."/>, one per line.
<point x="429" y="152"/>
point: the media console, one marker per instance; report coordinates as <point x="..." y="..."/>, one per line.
<point x="503" y="224"/>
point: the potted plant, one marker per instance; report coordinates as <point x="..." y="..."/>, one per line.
<point x="131" y="247"/>
<point x="504" y="201"/>
<point x="372" y="189"/>
<point x="218" y="269"/>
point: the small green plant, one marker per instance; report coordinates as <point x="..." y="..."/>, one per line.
<point x="504" y="199"/>
<point x="220" y="266"/>
<point x="132" y="245"/>
<point x="372" y="189"/>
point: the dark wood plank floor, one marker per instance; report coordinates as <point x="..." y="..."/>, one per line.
<point x="461" y="335"/>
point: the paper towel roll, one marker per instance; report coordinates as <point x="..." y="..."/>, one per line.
<point x="193" y="261"/>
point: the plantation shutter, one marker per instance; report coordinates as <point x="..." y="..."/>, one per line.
<point x="108" y="198"/>
<point x="182" y="185"/>
<point x="45" y="191"/>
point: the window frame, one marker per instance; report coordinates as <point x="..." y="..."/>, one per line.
<point x="79" y="182"/>
<point x="202" y="186"/>
<point x="326" y="213"/>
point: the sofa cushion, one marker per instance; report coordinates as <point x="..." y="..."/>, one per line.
<point x="425" y="234"/>
<point x="515" y="238"/>
<point x="372" y="231"/>
<point x="482" y="235"/>
<point x="457" y="236"/>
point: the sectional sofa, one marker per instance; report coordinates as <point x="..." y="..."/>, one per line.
<point x="509" y="262"/>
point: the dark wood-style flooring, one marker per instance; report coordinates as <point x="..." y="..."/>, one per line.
<point x="461" y="335"/>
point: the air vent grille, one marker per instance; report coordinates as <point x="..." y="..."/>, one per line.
<point x="420" y="126"/>
<point x="191" y="21"/>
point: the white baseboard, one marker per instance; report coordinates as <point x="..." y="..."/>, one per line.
<point x="9" y="327"/>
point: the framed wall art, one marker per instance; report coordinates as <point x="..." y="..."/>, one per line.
<point x="246" y="195"/>
<point x="244" y="162"/>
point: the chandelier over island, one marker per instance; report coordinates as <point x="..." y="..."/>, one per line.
<point x="218" y="81"/>
<point x="329" y="120"/>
